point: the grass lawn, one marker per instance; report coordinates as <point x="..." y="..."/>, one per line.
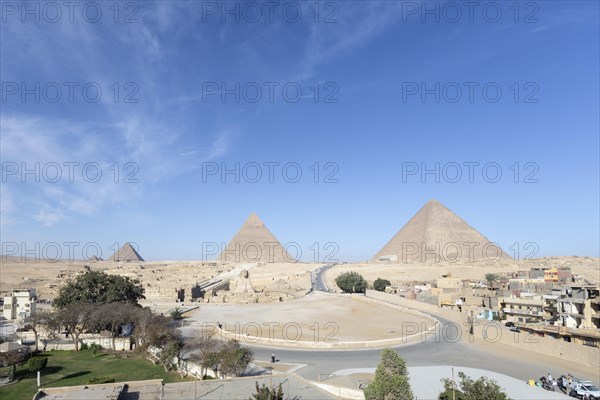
<point x="68" y="368"/>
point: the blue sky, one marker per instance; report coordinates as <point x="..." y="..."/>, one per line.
<point x="164" y="117"/>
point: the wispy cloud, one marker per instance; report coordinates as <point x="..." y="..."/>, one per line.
<point x="142" y="135"/>
<point x="357" y="24"/>
<point x="49" y="218"/>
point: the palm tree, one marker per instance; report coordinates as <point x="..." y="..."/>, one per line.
<point x="177" y="313"/>
<point x="490" y="279"/>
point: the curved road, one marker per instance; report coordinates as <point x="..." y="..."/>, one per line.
<point x="318" y="282"/>
<point x="433" y="351"/>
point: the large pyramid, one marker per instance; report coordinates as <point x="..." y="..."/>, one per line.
<point x="126" y="253"/>
<point x="437" y="235"/>
<point x="254" y="243"/>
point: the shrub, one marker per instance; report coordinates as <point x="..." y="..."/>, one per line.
<point x="101" y="379"/>
<point x="381" y="284"/>
<point x="468" y="389"/>
<point x="37" y="363"/>
<point x="266" y="393"/>
<point x="95" y="348"/>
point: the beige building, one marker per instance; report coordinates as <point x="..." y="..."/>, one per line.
<point x="20" y="303"/>
<point x="579" y="307"/>
<point x="527" y="309"/>
<point x="571" y="313"/>
<point x="558" y="275"/>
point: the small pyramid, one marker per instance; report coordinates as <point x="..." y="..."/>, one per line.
<point x="254" y="243"/>
<point x="126" y="253"/>
<point x="435" y="234"/>
<point x="95" y="258"/>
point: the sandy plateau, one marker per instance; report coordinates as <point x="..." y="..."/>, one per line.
<point x="287" y="281"/>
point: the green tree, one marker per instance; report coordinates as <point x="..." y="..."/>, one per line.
<point x="351" y="282"/>
<point x="266" y="393"/>
<point x="491" y="278"/>
<point x="211" y="360"/>
<point x="98" y="287"/>
<point x="234" y="359"/>
<point x="170" y="353"/>
<point x="391" y="379"/>
<point x="37" y="364"/>
<point x="469" y="389"/>
<point x="381" y="284"/>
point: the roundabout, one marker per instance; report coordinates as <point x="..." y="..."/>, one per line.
<point x="316" y="321"/>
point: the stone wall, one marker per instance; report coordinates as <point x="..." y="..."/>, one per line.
<point x="121" y="344"/>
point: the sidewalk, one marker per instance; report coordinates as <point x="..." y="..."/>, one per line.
<point x="426" y="382"/>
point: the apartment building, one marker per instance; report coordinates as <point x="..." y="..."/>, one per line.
<point x="560" y="275"/>
<point x="19" y="303"/>
<point x="527" y="309"/>
<point x="578" y="307"/>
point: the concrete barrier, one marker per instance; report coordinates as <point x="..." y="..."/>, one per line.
<point x="340" y="391"/>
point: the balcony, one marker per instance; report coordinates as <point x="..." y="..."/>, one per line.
<point x="572" y="300"/>
<point x="523" y="312"/>
<point x="571" y="314"/>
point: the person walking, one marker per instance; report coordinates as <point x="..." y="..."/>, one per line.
<point x="272" y="358"/>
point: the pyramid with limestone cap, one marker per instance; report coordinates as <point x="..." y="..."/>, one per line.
<point x="254" y="243"/>
<point x="126" y="253"/>
<point x="437" y="235"/>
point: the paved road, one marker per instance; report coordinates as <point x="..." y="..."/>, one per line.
<point x="318" y="279"/>
<point x="433" y="351"/>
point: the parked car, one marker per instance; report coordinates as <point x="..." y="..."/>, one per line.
<point x="515" y="329"/>
<point x="509" y="324"/>
<point x="583" y="388"/>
